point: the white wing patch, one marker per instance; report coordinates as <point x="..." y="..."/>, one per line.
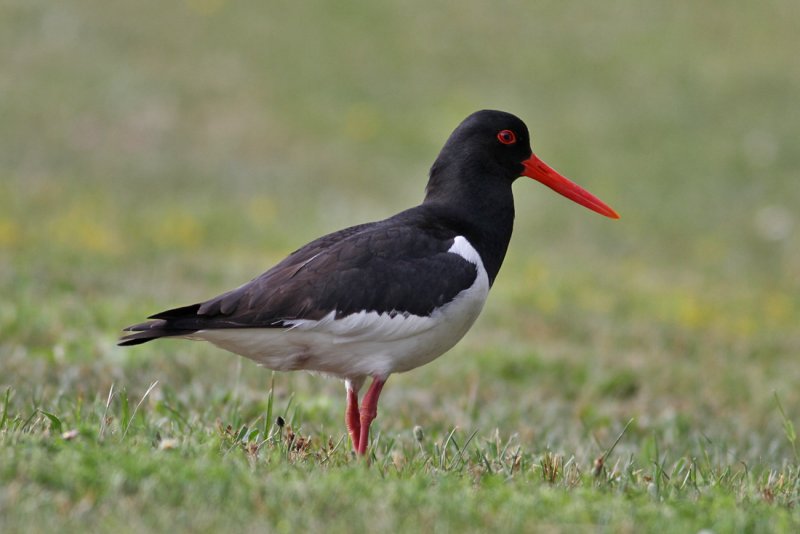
<point x="463" y="248"/>
<point x="363" y="343"/>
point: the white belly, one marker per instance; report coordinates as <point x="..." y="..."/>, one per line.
<point x="364" y="343"/>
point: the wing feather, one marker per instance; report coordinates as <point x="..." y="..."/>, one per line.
<point x="384" y="267"/>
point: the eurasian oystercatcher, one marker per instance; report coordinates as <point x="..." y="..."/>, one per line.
<point x="388" y="296"/>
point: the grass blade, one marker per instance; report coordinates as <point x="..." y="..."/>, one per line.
<point x="136" y="408"/>
<point x="788" y="428"/>
<point x="55" y="422"/>
<point x="6" y="402"/>
<point x="104" y="421"/>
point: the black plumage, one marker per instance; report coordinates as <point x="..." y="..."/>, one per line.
<point x="397" y="266"/>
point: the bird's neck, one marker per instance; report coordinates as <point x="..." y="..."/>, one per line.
<point x="481" y="211"/>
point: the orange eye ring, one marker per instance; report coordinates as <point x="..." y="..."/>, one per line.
<point x="507" y="137"/>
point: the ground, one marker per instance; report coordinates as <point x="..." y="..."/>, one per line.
<point x="625" y="376"/>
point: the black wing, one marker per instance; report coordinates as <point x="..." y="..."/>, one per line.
<point x="400" y="265"/>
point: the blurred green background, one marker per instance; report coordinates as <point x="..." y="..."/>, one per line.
<point x="153" y="154"/>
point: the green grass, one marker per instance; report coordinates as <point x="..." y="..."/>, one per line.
<point x="155" y="154"/>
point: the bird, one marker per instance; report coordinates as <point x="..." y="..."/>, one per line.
<point x="388" y="296"/>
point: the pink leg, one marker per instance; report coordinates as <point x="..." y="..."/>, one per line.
<point x="369" y="411"/>
<point x="353" y="418"/>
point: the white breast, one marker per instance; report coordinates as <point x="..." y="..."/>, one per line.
<point x="364" y="343"/>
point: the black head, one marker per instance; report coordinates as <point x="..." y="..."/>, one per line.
<point x="490" y="143"/>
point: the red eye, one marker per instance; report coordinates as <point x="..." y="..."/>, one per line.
<point x="507" y="137"/>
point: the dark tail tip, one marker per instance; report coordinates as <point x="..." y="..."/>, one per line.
<point x="143" y="337"/>
<point x="136" y="339"/>
<point x="150" y="330"/>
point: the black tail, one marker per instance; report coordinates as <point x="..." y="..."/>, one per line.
<point x="170" y="323"/>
